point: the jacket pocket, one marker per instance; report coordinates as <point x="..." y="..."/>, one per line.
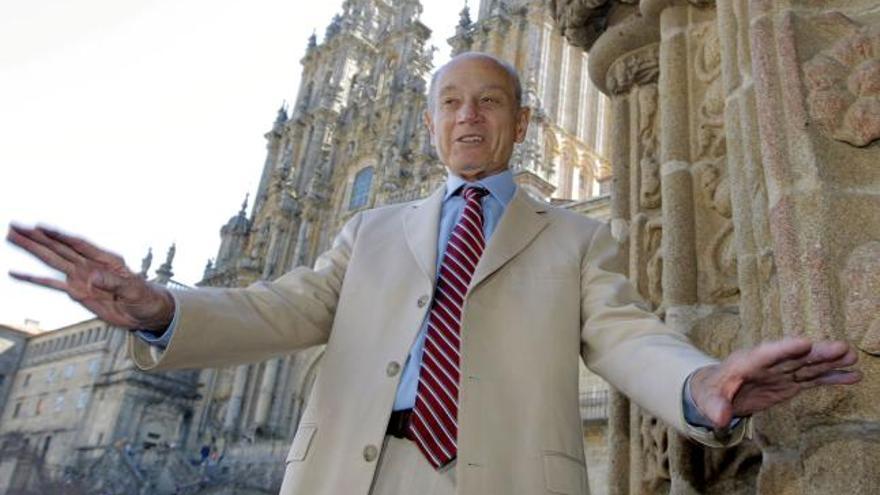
<point x="301" y="442"/>
<point x="564" y="474"/>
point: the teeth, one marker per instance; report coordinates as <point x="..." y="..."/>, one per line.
<point x="471" y="139"/>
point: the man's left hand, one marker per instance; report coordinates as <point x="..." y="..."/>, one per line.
<point x="751" y="380"/>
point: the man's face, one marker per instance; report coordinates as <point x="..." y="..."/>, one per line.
<point x="476" y="118"/>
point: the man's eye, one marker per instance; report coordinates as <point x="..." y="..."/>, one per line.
<point x="448" y="101"/>
<point x="489" y="99"/>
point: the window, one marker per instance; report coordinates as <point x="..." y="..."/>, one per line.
<point x="38" y="409"/>
<point x="50" y="375"/>
<point x="27" y="379"/>
<point x="94" y="366"/>
<point x="83" y="399"/>
<point x="17" y="410"/>
<point x="59" y="402"/>
<point x="68" y="371"/>
<point x="360" y="190"/>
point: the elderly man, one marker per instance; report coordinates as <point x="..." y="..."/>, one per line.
<point x="453" y="327"/>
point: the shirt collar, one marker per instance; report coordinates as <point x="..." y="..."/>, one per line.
<point x="500" y="186"/>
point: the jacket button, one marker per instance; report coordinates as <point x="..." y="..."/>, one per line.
<point x="393" y="368"/>
<point x="370" y="453"/>
<point x="422" y="301"/>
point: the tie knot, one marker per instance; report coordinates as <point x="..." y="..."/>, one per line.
<point x="474" y="192"/>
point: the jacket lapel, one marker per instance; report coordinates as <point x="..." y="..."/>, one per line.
<point x="523" y="219"/>
<point x="421" y="224"/>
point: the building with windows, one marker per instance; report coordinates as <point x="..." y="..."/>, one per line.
<point x="75" y="393"/>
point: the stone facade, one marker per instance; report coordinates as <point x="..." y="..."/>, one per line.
<point x="12" y="344"/>
<point x="352" y="139"/>
<point x="746" y="190"/>
<point x="76" y="396"/>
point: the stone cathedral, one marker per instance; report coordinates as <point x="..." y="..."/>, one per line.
<point x="352" y="139"/>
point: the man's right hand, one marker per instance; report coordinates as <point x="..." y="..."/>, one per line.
<point x="95" y="278"/>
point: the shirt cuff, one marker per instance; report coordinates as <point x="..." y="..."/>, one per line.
<point x="693" y="415"/>
<point x="160" y="338"/>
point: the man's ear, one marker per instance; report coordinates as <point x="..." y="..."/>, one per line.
<point x="429" y="123"/>
<point x="522" y="123"/>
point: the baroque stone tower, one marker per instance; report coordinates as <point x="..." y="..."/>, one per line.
<point x="745" y="150"/>
<point x="353" y="139"/>
<point x="562" y="156"/>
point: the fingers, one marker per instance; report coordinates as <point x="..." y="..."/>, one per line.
<point x="834" y="377"/>
<point x="39" y="236"/>
<point x="28" y="240"/>
<point x="83" y="247"/>
<point x="775" y="357"/>
<point x="47" y="282"/>
<point x="827" y="363"/>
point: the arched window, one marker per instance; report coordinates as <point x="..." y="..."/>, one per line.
<point x="360" y="190"/>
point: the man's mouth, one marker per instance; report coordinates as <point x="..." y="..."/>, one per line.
<point x="470" y="139"/>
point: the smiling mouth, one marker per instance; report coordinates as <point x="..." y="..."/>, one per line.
<point x="470" y="139"/>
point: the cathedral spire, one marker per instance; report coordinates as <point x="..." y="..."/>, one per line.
<point x="280" y="117"/>
<point x="313" y="42"/>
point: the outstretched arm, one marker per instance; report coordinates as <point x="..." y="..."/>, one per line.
<point x="96" y="278"/>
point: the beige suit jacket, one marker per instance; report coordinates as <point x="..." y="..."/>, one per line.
<point x="547" y="292"/>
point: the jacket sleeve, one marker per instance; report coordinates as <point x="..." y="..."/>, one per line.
<point x="634" y="350"/>
<point x="222" y="327"/>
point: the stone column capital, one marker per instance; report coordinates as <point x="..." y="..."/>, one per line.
<point x="625" y="55"/>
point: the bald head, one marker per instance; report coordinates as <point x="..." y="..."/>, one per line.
<point x="512" y="74"/>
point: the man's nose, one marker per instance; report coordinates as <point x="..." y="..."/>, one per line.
<point x="469" y="112"/>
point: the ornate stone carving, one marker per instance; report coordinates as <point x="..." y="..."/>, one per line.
<point x="654" y="255"/>
<point x="710" y="114"/>
<point x="581" y="21"/>
<point x="861" y="281"/>
<point x="649" y="190"/>
<point x="721" y="253"/>
<point x="655" y="455"/>
<point x="641" y="66"/>
<point x="843" y="82"/>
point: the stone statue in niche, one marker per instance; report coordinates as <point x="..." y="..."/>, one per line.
<point x="861" y="283"/>
<point x="649" y="191"/>
<point x="843" y="81"/>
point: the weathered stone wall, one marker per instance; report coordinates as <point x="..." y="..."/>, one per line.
<point x="747" y="191"/>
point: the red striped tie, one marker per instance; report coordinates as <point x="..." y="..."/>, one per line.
<point x="434" y="422"/>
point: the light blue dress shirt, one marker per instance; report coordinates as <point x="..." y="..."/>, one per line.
<point x="501" y="189"/>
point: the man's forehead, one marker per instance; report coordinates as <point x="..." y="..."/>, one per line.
<point x="452" y="87"/>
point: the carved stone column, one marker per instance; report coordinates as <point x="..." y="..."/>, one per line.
<point x="768" y="140"/>
<point x="803" y="107"/>
<point x="236" y="397"/>
<point x="267" y="389"/>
